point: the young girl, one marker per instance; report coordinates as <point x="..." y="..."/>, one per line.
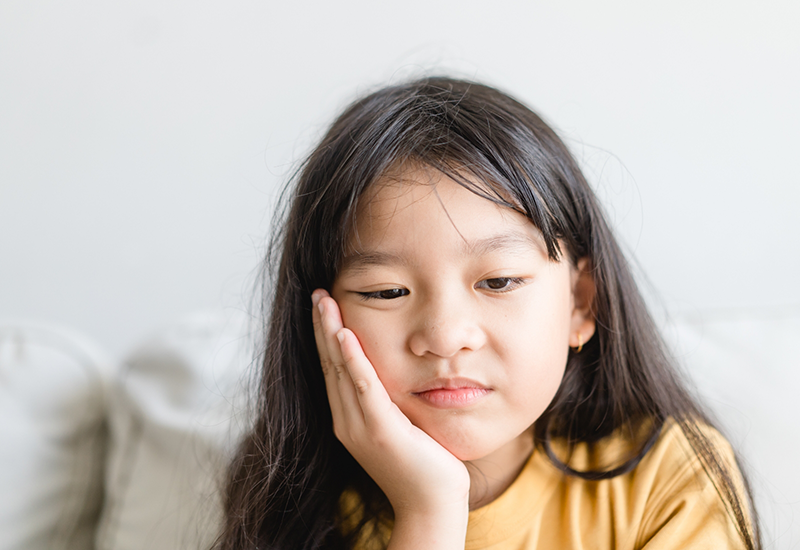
<point x="458" y="357"/>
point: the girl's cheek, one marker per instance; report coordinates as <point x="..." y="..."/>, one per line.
<point x="373" y="343"/>
<point x="376" y="352"/>
<point x="381" y="349"/>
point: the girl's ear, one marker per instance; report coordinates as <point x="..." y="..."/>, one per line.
<point x="583" y="292"/>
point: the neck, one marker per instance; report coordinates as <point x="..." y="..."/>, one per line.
<point x="491" y="475"/>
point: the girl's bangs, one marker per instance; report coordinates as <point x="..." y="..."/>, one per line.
<point x="518" y="195"/>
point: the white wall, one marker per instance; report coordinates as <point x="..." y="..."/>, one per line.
<point x="142" y="143"/>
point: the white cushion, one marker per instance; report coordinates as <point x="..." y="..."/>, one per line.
<point x="174" y="423"/>
<point x="53" y="396"/>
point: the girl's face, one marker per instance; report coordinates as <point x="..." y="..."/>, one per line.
<point x="456" y="304"/>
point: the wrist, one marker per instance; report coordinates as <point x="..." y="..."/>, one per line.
<point x="441" y="529"/>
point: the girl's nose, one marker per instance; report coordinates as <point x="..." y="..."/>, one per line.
<point x="444" y="329"/>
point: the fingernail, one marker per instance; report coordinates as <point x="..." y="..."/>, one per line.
<point x="315" y="298"/>
<point x="340" y="336"/>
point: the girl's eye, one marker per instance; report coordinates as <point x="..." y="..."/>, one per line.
<point x="388" y="294"/>
<point x="501" y="284"/>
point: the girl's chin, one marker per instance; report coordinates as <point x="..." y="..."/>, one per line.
<point x="467" y="449"/>
<point x="465" y="452"/>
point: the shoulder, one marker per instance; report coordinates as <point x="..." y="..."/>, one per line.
<point x="675" y="497"/>
<point x="676" y="454"/>
<point x="687" y="457"/>
<point x="689" y="486"/>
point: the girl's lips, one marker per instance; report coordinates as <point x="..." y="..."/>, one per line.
<point x="453" y="398"/>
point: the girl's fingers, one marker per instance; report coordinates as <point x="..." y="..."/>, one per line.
<point x="347" y="409"/>
<point x="369" y="390"/>
<point x="332" y="324"/>
<point x="328" y="370"/>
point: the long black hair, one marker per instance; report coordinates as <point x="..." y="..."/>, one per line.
<point x="286" y="482"/>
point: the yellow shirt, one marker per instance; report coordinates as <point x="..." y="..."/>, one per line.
<point x="666" y="502"/>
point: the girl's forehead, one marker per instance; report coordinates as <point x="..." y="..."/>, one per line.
<point x="408" y="204"/>
<point x="400" y="188"/>
<point x="397" y="182"/>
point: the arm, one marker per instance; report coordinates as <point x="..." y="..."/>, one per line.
<point x="427" y="486"/>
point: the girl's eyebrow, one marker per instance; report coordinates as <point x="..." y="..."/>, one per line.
<point x="360" y="261"/>
<point x="510" y="243"/>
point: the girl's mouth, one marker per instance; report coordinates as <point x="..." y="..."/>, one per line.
<point x="452" y="393"/>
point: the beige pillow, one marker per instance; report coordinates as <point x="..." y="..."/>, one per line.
<point x="174" y="423"/>
<point x="53" y="398"/>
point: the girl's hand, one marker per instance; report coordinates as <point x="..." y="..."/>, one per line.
<point x="426" y="485"/>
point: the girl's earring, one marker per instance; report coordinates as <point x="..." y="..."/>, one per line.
<point x="580" y="343"/>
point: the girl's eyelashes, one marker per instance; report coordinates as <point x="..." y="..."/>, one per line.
<point x="388" y="294"/>
<point x="495" y="284"/>
<point x="501" y="284"/>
